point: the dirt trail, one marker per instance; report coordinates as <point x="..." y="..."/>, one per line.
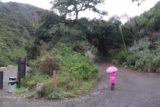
<point x="133" y="89"/>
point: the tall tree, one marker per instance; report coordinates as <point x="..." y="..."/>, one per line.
<point x="65" y="7"/>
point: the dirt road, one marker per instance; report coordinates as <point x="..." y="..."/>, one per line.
<point x="133" y="89"/>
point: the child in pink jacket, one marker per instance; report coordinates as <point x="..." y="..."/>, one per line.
<point x="112" y="71"/>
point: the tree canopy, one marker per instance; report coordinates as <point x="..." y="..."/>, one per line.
<point x="68" y="7"/>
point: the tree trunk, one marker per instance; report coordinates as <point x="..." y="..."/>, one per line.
<point x="76" y="15"/>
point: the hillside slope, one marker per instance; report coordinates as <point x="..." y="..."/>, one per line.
<point x="18" y="23"/>
<point x="145" y="25"/>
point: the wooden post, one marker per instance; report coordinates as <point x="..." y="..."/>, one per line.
<point x="1" y="79"/>
<point x="21" y="70"/>
<point x="19" y="73"/>
<point x="54" y="76"/>
<point x="23" y="67"/>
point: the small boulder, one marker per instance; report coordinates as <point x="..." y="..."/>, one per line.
<point x="40" y="87"/>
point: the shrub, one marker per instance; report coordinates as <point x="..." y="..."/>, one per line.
<point x="33" y="51"/>
<point x="140" y="63"/>
<point x="47" y="65"/>
<point x="131" y="59"/>
<point x="121" y="57"/>
<point x="4" y="61"/>
<point x="76" y="74"/>
<point x="56" y="94"/>
<point x="77" y="64"/>
<point x="155" y="63"/>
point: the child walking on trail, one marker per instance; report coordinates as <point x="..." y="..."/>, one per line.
<point x="112" y="71"/>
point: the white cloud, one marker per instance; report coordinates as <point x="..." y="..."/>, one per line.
<point x="120" y="7"/>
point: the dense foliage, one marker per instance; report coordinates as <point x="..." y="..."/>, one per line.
<point x="145" y="25"/>
<point x="76" y="74"/>
<point x="140" y="57"/>
<point x="104" y="35"/>
<point x="142" y="37"/>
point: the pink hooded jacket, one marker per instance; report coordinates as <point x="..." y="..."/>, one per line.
<point x="112" y="77"/>
<point x="112" y="70"/>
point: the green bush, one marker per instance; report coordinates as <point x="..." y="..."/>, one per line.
<point x="127" y="58"/>
<point x="75" y="74"/>
<point x="56" y="94"/>
<point x="131" y="59"/>
<point x="4" y="61"/>
<point x="139" y="56"/>
<point x="33" y="78"/>
<point x="140" y="63"/>
<point x="77" y="64"/>
<point x="155" y="64"/>
<point x="121" y="57"/>
<point x="47" y="65"/>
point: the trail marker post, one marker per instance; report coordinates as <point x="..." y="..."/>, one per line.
<point x="54" y="76"/>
